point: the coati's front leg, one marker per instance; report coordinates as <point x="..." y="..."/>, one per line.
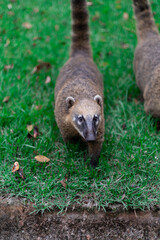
<point x="94" y="150"/>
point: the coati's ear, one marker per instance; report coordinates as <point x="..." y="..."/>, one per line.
<point x="70" y="101"/>
<point x="98" y="99"/>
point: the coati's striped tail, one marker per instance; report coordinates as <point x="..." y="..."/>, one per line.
<point x="80" y="29"/>
<point x="144" y="17"/>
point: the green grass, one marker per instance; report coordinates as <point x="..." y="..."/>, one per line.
<point x="129" y="167"/>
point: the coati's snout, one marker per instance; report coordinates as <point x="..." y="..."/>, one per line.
<point x="87" y="126"/>
<point x="86" y="116"/>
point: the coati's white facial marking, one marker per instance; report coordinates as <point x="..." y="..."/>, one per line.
<point x="70" y="101"/>
<point x="98" y="99"/>
<point x="80" y="120"/>
<point x="96" y="119"/>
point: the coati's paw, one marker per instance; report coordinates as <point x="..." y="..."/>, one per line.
<point x="94" y="163"/>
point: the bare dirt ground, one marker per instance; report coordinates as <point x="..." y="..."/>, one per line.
<point x="16" y="223"/>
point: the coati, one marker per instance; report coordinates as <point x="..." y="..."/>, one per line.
<point x="79" y="89"/>
<point x="147" y="57"/>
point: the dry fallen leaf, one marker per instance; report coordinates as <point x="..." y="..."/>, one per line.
<point x="15" y="167"/>
<point x="36" y="132"/>
<point x="125" y="16"/>
<point x="63" y="183"/>
<point x="48" y="80"/>
<point x="29" y="128"/>
<point x="6" y="99"/>
<point x="27" y="25"/>
<point x="41" y="158"/>
<point x="20" y="171"/>
<point x="7" y="67"/>
<point x="38" y="107"/>
<point x="40" y="66"/>
<point x="37" y="38"/>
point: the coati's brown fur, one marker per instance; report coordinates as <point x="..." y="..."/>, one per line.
<point x="147" y="57"/>
<point x="79" y="89"/>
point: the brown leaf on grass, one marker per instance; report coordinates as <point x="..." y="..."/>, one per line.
<point x="37" y="38"/>
<point x="38" y="107"/>
<point x="6" y="99"/>
<point x="42" y="65"/>
<point x="15" y="167"/>
<point x="48" y="80"/>
<point x="41" y="158"/>
<point x="29" y="128"/>
<point x="7" y="67"/>
<point x="125" y="16"/>
<point x="27" y="25"/>
<point x="36" y="132"/>
<point x="20" y="171"/>
<point x="63" y="183"/>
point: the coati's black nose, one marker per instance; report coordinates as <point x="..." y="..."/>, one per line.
<point x="89" y="135"/>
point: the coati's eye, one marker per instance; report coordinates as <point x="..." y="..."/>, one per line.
<point x="96" y="119"/>
<point x="80" y="119"/>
